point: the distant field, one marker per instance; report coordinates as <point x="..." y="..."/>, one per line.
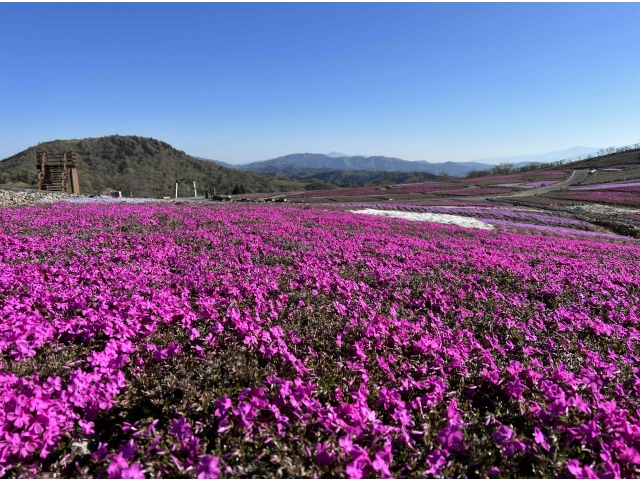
<point x="629" y="199"/>
<point x="631" y="158"/>
<point x="602" y="176"/>
<point x="525" y="177"/>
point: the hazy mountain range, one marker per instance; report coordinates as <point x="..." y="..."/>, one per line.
<point x="541" y="157"/>
<point x="305" y="162"/>
<point x="315" y="161"/>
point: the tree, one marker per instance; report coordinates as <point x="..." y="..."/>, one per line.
<point x="133" y="185"/>
<point x="238" y="189"/>
<point x="502" y="169"/>
<point x="478" y="173"/>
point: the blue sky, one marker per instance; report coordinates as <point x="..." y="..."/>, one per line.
<point x="246" y="82"/>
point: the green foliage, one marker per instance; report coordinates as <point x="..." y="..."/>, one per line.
<point x="319" y="185"/>
<point x="238" y="190"/>
<point x="137" y="166"/>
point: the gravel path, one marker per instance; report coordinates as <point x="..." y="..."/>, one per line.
<point x="19" y="198"/>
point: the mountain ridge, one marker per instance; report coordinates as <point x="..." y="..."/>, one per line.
<point x="340" y="161"/>
<point x="314" y="161"/>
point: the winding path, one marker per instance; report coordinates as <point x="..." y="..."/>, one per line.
<point x="576" y="177"/>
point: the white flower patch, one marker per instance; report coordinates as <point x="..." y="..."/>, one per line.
<point x="442" y="218"/>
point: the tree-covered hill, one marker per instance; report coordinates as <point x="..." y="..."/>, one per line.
<point x="353" y="177"/>
<point x="139" y="166"/>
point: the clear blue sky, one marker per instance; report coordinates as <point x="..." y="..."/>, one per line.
<point x="245" y="82"/>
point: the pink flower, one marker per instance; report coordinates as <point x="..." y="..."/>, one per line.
<point x="503" y="434"/>
<point x="208" y="467"/>
<point x="134" y="471"/>
<point x="540" y="439"/>
<point x="87" y="427"/>
<point x="574" y="468"/>
<point x="180" y="428"/>
<point x="630" y="455"/>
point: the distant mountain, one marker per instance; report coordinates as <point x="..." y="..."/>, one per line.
<point x="339" y="155"/>
<point x="305" y="161"/>
<point x="301" y="162"/>
<point x="522" y="160"/>
<point x="219" y="162"/>
<point x="144" y="166"/>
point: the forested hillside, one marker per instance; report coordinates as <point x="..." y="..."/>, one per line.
<point x="137" y="166"/>
<point x="355" y="177"/>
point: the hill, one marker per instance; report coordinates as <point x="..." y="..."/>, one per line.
<point x="302" y="161"/>
<point x="354" y="177"/>
<point x="139" y="166"/>
<point x="629" y="159"/>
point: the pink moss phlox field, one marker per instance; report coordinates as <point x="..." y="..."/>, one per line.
<point x="403" y="189"/>
<point x="490" y="213"/>
<point x="472" y="192"/>
<point x="278" y="340"/>
<point x="630" y="187"/>
<point x="543" y="176"/>
<point x="547" y="228"/>
<point x="527" y="185"/>
<point x="624" y="198"/>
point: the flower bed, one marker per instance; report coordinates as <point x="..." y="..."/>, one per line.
<point x="279" y="340"/>
<point x="472" y="192"/>
<point x="561" y="231"/>
<point x="599" y="196"/>
<point x="528" y="185"/>
<point x="524" y="177"/>
<point x="630" y="173"/>
<point x="491" y="212"/>
<point x="632" y="186"/>
<point x="427" y="187"/>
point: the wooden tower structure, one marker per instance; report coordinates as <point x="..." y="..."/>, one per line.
<point x="58" y="172"/>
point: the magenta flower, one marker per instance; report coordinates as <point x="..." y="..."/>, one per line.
<point x="180" y="428"/>
<point x="503" y="434"/>
<point x="574" y="468"/>
<point x="540" y="439"/>
<point x="372" y="340"/>
<point x="134" y="471"/>
<point x="208" y="467"/>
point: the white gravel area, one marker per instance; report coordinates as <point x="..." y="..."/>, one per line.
<point x="441" y="218"/>
<point x="99" y="199"/>
<point x="21" y="198"/>
<point x="600" y="209"/>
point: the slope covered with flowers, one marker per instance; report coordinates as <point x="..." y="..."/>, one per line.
<point x="288" y="341"/>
